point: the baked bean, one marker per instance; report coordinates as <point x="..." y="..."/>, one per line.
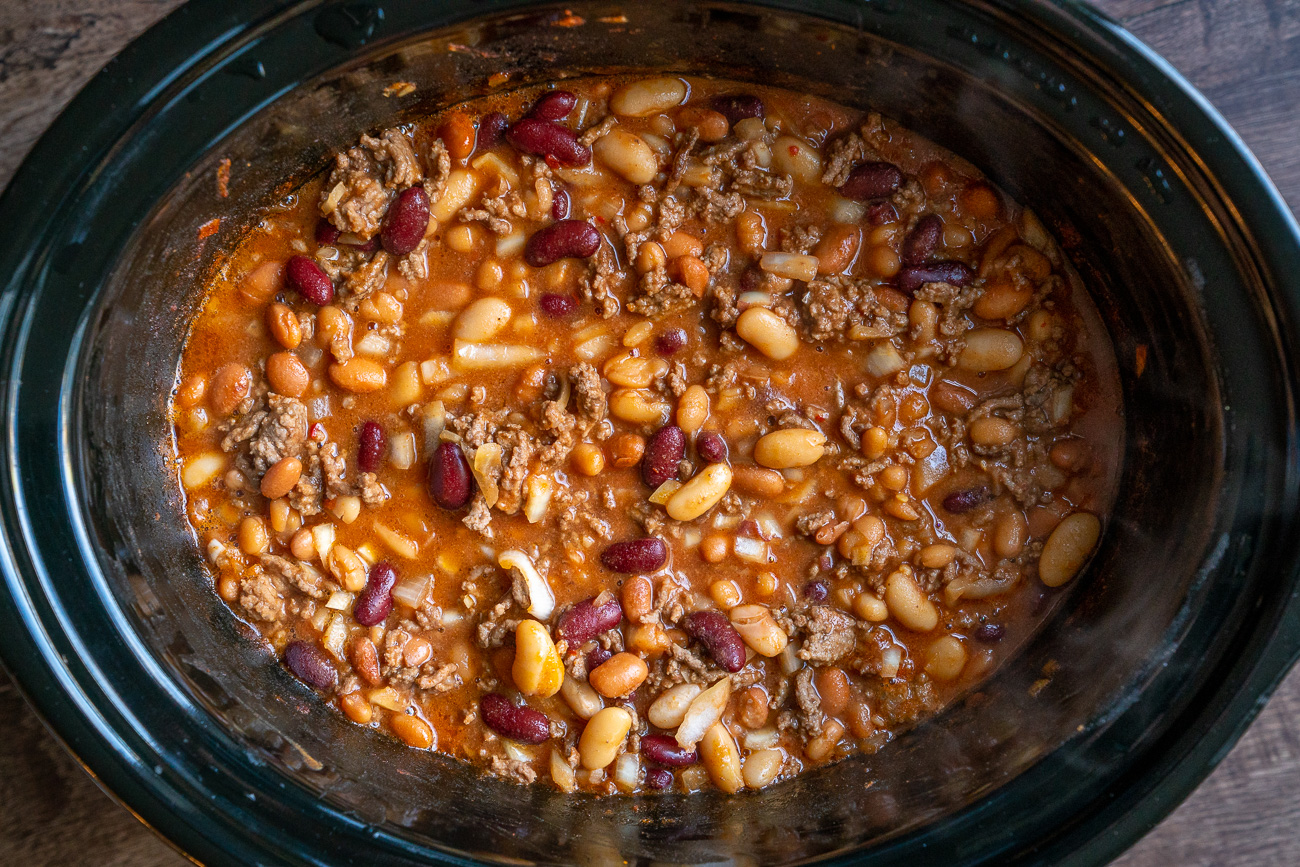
<point x="768" y="333"/>
<point x="365" y="661"/>
<point x="281" y="478"/>
<point x="253" y="538"/>
<point x="631" y="371"/>
<point x="359" y="375"/>
<point x="626" y="450"/>
<point x="1068" y="548"/>
<point x="638" y="406"/>
<point x="588" y="459"/>
<point x="721" y="758"/>
<point x="692" y="409"/>
<point x="837" y="248"/>
<point x="792" y="266"/>
<point x="581" y="698"/>
<point x="286" y="374"/>
<point x="712" y="125"/>
<point x="989" y="349"/>
<point x="822" y="746"/>
<point x="937" y="556"/>
<point x="758" y="629"/>
<point x="482" y="320"/>
<point x="413" y="731"/>
<point x="980" y="200"/>
<point x="762" y="767"/>
<point x="458" y="134"/>
<point x="751" y="232"/>
<point x="833" y="687"/>
<point x="1002" y="300"/>
<point x="753" y="711"/>
<point x="638" y="598"/>
<point x="628" y="155"/>
<point x="650" y="256"/>
<point x="725" y="593"/>
<point x="714" y="549"/>
<point x="870" y="608"/>
<point x="647" y="96"/>
<point x="230" y="385"/>
<point x="1010" y="534"/>
<point x="945" y="658"/>
<point x="619" y="675"/>
<point x="795" y="157"/>
<point x="603" y="735"/>
<point x="261" y="283"/>
<point x="793" y="447"/>
<point x="699" y="494"/>
<point x="993" y="431"/>
<point x="669" y="709"/>
<point x="908" y="603"/>
<point x="537" y="669"/>
<point x="284" y="325"/>
<point x="357" y="709"/>
<point x="691" y="273"/>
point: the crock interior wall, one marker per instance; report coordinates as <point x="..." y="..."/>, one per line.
<point x="1114" y="626"/>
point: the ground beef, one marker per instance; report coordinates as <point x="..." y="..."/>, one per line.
<point x="601" y="282"/>
<point x="439" y="678"/>
<point x="259" y="595"/>
<point x="810" y="716"/>
<point x="496" y="625"/>
<point x="513" y="769"/>
<point x="579" y="525"/>
<point x="272" y="433"/>
<point x="834" y="306"/>
<point x="479" y="518"/>
<point x="658" y="296"/>
<point x="588" y="397"/>
<point x="360" y="186"/>
<point x="360" y="284"/>
<point x="832" y="635"/>
<point x="372" y="493"/>
<point x="496" y="208"/>
<point x="300" y="575"/>
<point x="415" y="264"/>
<point x="437" y="163"/>
<point x="517" y="463"/>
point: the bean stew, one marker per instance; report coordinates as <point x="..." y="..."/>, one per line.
<point x="635" y="434"/>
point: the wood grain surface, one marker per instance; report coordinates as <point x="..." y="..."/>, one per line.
<point x="1243" y="54"/>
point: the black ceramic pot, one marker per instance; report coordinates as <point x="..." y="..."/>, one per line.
<point x="1158" y="657"/>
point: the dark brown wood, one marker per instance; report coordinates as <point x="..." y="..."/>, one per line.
<point x="1243" y="54"/>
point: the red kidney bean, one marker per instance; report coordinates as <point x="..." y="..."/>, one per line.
<point x="670" y="342"/>
<point x="712" y="447"/>
<point x="719" y="637"/>
<point x="635" y="555"/>
<point x="561" y="204"/>
<point x="914" y="277"/>
<point x="310" y="665"/>
<point x="990" y="633"/>
<point x="326" y="234"/>
<point x="451" y="484"/>
<point x="881" y="213"/>
<point x="738" y="106"/>
<point x="406" y="221"/>
<point x="598" y="656"/>
<point x="920" y="242"/>
<point x="664" y="750"/>
<point x="366" y="246"/>
<point x="375" y="601"/>
<point x="521" y="724"/>
<point x="548" y="139"/>
<point x="751" y="279"/>
<point x="663" y="452"/>
<point x="370" y="449"/>
<point x="658" y="778"/>
<point x="491" y="126"/>
<point x="963" y="501"/>
<point x="310" y="280"/>
<point x="576" y="238"/>
<point x="586" y="620"/>
<point x="557" y="306"/>
<point x="815" y="591"/>
<point x="555" y="105"/>
<point x="872" y="181"/>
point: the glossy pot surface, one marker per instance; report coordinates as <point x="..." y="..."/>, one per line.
<point x="1153" y="664"/>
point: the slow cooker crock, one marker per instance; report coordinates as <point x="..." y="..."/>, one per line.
<point x="1151" y="666"/>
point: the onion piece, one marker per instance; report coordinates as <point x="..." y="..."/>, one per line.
<point x="339" y="601"/>
<point x="705" y="710"/>
<point x="541" y="601"/>
<point x="411" y="591"/>
<point x="486" y="467"/>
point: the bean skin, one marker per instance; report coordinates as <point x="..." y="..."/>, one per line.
<point x="635" y="555"/>
<point x="598" y="656"/>
<point x="521" y="724"/>
<point x="963" y="501"/>
<point x="451" y="484"/>
<point x="375" y="602"/>
<point x="326" y="234"/>
<point x="310" y="280"/>
<point x="815" y="591"/>
<point x="310" y="665"/>
<point x="490" y="129"/>
<point x="881" y="213"/>
<point x="712" y="447"/>
<point x="664" y="750"/>
<point x="548" y="139"/>
<point x="561" y="240"/>
<point x="557" y="306"/>
<point x="914" y="277"/>
<point x="719" y="637"/>
<point x="553" y="106"/>
<point x="738" y="106"/>
<point x="872" y="181"/>
<point x="658" y="778"/>
<point x="586" y="620"/>
<point x="406" y="221"/>
<point x="670" y="342"/>
<point x="990" y="633"/>
<point x="921" y="241"/>
<point x="370" y="449"/>
<point x="663" y="452"/>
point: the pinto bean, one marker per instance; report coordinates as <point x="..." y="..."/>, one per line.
<point x="663" y="452"/>
<point x="548" y="139"/>
<point x="565" y="238"/>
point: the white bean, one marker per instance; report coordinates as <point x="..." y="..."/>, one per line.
<point x="1068" y="548"/>
<point x="647" y="96"/>
<point x="482" y="320"/>
<point x="628" y="155"/>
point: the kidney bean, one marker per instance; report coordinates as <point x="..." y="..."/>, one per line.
<point x="365" y="247"/>
<point x="370" y="450"/>
<point x="586" y="620"/>
<point x="561" y="204"/>
<point x="635" y="555"/>
<point x="598" y="656"/>
<point x="555" y="105"/>
<point x="557" y="306"/>
<point x="663" y="452"/>
<point x="664" y="750"/>
<point x="544" y="138"/>
<point x="376" y="601"/>
<point x="990" y="633"/>
<point x="326" y="234"/>
<point x="719" y="637"/>
<point x="521" y="724"/>
<point x="490" y="128"/>
<point x="406" y="221"/>
<point x="670" y="342"/>
<point x="310" y="665"/>
<point x="914" y="277"/>
<point x="576" y="238"/>
<point x="872" y="181"/>
<point x="658" y="778"/>
<point x="881" y="213"/>
<point x="451" y="484"/>
<point x="815" y="591"/>
<point x="963" y="501"/>
<point x="712" y="447"/>
<point x="738" y="106"/>
<point x="921" y="241"/>
<point x="751" y="279"/>
<point x="310" y="280"/>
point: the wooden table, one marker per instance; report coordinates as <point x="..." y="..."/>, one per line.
<point x="1243" y="54"/>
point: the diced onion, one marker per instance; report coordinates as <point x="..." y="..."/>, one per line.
<point x="890" y="660"/>
<point x="541" y="601"/>
<point x="335" y="635"/>
<point x="662" y="493"/>
<point x="626" y="769"/>
<point x="540" y="491"/>
<point x="339" y="601"/>
<point x="751" y="549"/>
<point x="411" y="591"/>
<point x="884" y="360"/>
<point x="705" y="710"/>
<point x="486" y="467"/>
